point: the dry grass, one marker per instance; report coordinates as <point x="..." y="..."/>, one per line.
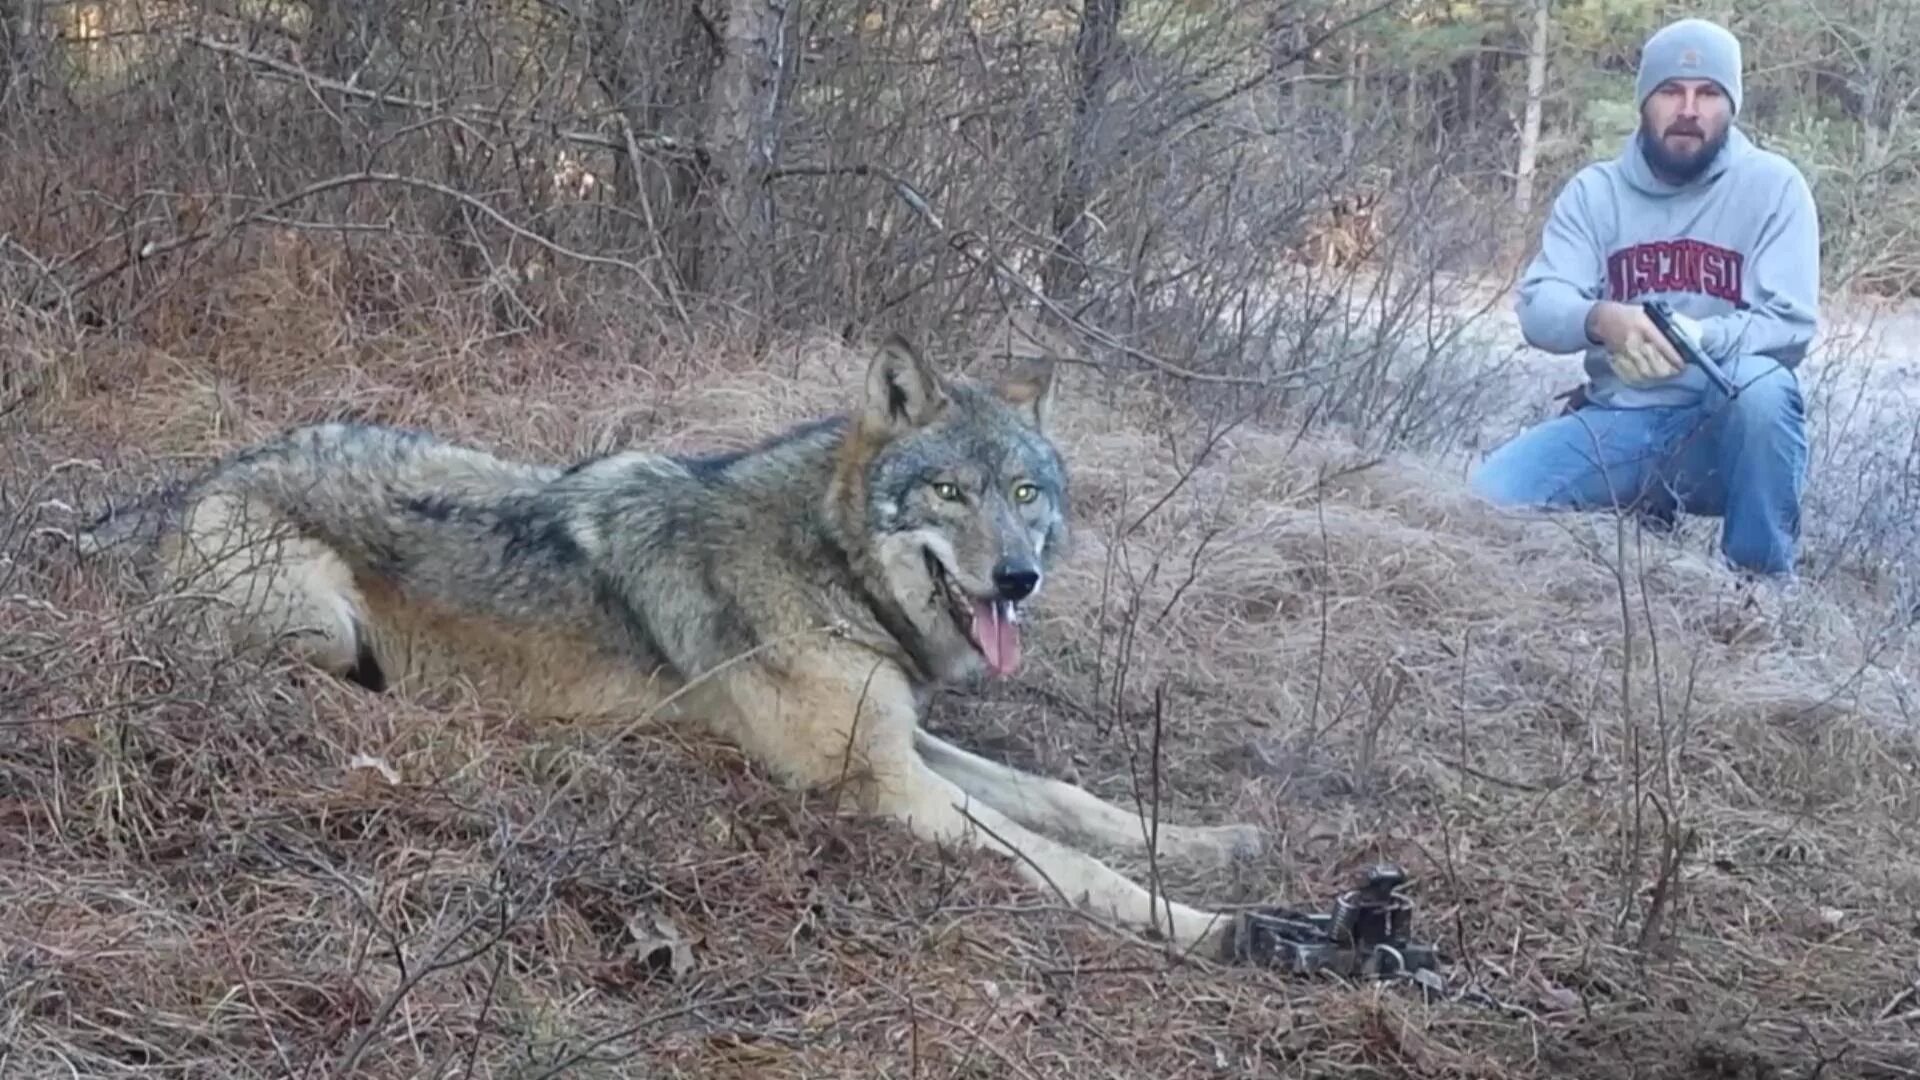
<point x="217" y="867"/>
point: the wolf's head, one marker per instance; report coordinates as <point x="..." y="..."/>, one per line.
<point x="959" y="499"/>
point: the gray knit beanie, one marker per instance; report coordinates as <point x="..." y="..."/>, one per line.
<point x="1690" y="49"/>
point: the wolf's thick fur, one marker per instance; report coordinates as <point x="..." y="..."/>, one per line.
<point x="801" y="598"/>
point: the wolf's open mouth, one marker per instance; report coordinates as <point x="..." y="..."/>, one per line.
<point x="991" y="624"/>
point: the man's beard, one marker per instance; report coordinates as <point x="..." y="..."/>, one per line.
<point x="1679" y="168"/>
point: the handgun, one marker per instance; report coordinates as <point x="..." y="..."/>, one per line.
<point x="1662" y="317"/>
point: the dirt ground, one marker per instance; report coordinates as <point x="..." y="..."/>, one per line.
<point x="1648" y="847"/>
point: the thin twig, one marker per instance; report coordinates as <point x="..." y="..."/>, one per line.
<point x="223" y="229"/>
<point x="629" y="144"/>
<point x="982" y="255"/>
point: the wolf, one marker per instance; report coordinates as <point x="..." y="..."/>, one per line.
<point x="801" y="599"/>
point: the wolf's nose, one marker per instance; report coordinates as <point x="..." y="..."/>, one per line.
<point x="1015" y="579"/>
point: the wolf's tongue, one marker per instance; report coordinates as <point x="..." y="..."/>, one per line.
<point x="998" y="634"/>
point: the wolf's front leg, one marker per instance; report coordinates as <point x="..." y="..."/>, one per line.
<point x="937" y="809"/>
<point x="1055" y="806"/>
<point x="834" y="716"/>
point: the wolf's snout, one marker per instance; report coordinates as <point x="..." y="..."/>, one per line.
<point x="1015" y="579"/>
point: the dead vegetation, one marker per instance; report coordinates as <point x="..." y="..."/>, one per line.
<point x="1655" y="853"/>
<point x="1649" y="847"/>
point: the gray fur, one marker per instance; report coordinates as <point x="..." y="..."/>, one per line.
<point x="796" y="586"/>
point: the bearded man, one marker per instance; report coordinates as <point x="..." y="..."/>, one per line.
<point x="1694" y="214"/>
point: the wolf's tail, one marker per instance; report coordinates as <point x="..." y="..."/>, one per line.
<point x="144" y="520"/>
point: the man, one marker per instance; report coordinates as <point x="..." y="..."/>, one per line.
<point x="1694" y="214"/>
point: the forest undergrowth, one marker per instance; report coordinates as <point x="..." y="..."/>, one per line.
<point x="1647" y="845"/>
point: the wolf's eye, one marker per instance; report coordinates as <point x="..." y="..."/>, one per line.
<point x="1025" y="493"/>
<point x="947" y="491"/>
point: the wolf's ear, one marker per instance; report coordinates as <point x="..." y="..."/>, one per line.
<point x="1031" y="393"/>
<point x="902" y="390"/>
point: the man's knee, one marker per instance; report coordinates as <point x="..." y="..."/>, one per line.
<point x="1503" y="478"/>
<point x="1770" y="403"/>
<point x="1543" y="466"/>
<point x="1486" y="483"/>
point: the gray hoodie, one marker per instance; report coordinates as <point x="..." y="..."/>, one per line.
<point x="1737" y="249"/>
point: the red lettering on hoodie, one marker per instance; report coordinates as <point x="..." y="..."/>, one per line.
<point x="1670" y="266"/>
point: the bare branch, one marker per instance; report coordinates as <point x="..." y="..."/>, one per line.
<point x="155" y="249"/>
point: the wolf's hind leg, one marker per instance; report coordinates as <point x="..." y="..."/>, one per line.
<point x="1055" y="806"/>
<point x="273" y="587"/>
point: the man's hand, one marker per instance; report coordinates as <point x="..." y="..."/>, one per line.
<point x="1637" y="350"/>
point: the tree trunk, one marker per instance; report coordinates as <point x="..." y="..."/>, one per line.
<point x="1286" y="31"/>
<point x="19" y="59"/>
<point x="1093" y="51"/>
<point x="1356" y="76"/>
<point x="1530" y="126"/>
<point x="654" y="59"/>
<point x="341" y="37"/>
<point x="1872" y="120"/>
<point x="1473" y="89"/>
<point x="742" y="141"/>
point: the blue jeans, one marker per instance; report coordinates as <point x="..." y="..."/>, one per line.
<point x="1743" y="461"/>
